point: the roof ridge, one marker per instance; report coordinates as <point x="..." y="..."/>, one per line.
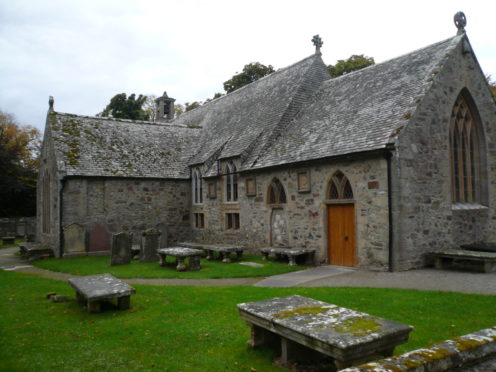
<point x="142" y="122"/>
<point x="278" y="71"/>
<point x="450" y="39"/>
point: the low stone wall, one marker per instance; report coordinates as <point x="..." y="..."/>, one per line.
<point x="473" y="352"/>
<point x="21" y="227"/>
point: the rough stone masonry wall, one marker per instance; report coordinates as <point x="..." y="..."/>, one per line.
<point x="306" y="212"/>
<point x="475" y="352"/>
<point x="421" y="173"/>
<point x="132" y="205"/>
<point x="48" y="165"/>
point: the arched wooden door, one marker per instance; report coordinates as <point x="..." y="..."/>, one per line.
<point x="341" y="222"/>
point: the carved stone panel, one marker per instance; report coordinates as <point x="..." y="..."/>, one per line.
<point x="74" y="239"/>
<point x="279" y="228"/>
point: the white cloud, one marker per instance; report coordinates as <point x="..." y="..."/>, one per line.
<point x="85" y="52"/>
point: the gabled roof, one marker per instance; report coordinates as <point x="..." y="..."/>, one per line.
<point x="91" y="146"/>
<point x="359" y="111"/>
<point x="235" y="123"/>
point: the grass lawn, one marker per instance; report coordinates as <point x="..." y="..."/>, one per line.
<point x="194" y="328"/>
<point x="209" y="269"/>
<point x="17" y="241"/>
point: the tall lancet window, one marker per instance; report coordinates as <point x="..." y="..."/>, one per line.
<point x="231" y="183"/>
<point x="465" y="152"/>
<point x="197" y="187"/>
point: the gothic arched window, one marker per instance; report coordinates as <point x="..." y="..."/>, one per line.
<point x="231" y="183"/>
<point x="340" y="187"/>
<point x="45" y="203"/>
<point x="276" y="193"/>
<point x="465" y="140"/>
<point x="197" y="187"/>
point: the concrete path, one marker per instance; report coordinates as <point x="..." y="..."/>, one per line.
<point x="322" y="276"/>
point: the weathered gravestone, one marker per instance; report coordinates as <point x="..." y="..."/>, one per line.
<point x="74" y="239"/>
<point x="121" y="249"/>
<point x="162" y="227"/>
<point x="149" y="245"/>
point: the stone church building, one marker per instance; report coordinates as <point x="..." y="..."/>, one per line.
<point x="372" y="169"/>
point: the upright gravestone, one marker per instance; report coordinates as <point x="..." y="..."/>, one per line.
<point x="74" y="239"/>
<point x="149" y="244"/>
<point x="162" y="227"/>
<point x="121" y="249"/>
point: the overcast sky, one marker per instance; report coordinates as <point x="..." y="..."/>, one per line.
<point x="85" y="52"/>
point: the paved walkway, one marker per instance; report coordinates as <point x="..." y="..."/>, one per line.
<point x="322" y="276"/>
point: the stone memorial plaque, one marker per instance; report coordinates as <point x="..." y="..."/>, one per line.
<point x="99" y="239"/>
<point x="150" y="241"/>
<point x="74" y="239"/>
<point x="121" y="249"/>
<point x="162" y="227"/>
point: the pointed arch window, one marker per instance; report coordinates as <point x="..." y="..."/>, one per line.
<point x="340" y="187"/>
<point x="197" y="187"/>
<point x="465" y="140"/>
<point x="45" y="203"/>
<point x="231" y="183"/>
<point x="276" y="193"/>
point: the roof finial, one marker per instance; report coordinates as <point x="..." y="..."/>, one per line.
<point x="317" y="41"/>
<point x="460" y="22"/>
<point x="50" y="103"/>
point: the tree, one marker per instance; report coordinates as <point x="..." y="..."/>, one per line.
<point x="354" y="63"/>
<point x="190" y="106"/>
<point x="492" y="85"/>
<point x="19" y="161"/>
<point x="149" y="107"/>
<point x="251" y="72"/>
<point x="123" y="107"/>
<point x="216" y="95"/>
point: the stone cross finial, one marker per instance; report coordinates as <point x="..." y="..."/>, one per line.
<point x="50" y="103"/>
<point x="317" y="41"/>
<point x="460" y="22"/>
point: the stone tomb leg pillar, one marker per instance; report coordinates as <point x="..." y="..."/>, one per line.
<point x="263" y="337"/>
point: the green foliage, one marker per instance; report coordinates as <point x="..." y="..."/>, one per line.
<point x="216" y="95"/>
<point x="251" y="72"/>
<point x="19" y="160"/>
<point x="190" y="106"/>
<point x="181" y="328"/>
<point x="492" y="85"/>
<point x="209" y="269"/>
<point x="354" y="63"/>
<point x="123" y="107"/>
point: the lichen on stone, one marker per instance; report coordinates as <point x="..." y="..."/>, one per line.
<point x="358" y="326"/>
<point x="304" y="310"/>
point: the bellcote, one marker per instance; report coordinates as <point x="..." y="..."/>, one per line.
<point x="164" y="108"/>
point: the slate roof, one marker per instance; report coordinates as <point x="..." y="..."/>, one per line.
<point x="91" y="146"/>
<point x="235" y="123"/>
<point x="359" y="111"/>
<point x="297" y="113"/>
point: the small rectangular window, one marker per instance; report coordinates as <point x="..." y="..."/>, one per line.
<point x="232" y="221"/>
<point x="199" y="220"/>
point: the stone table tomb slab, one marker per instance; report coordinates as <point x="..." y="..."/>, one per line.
<point x="345" y="335"/>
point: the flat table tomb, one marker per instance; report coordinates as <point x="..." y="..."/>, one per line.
<point x="92" y="290"/>
<point x="447" y="258"/>
<point x="302" y="326"/>
<point x="181" y="254"/>
<point x="290" y="253"/>
<point x="224" y="251"/>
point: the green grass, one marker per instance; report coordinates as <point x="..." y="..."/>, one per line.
<point x="17" y="241"/>
<point x="194" y="328"/>
<point x="209" y="269"/>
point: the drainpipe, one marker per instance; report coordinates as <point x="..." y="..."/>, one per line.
<point x="388" y="156"/>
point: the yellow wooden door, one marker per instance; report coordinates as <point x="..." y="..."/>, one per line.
<point x="341" y="234"/>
